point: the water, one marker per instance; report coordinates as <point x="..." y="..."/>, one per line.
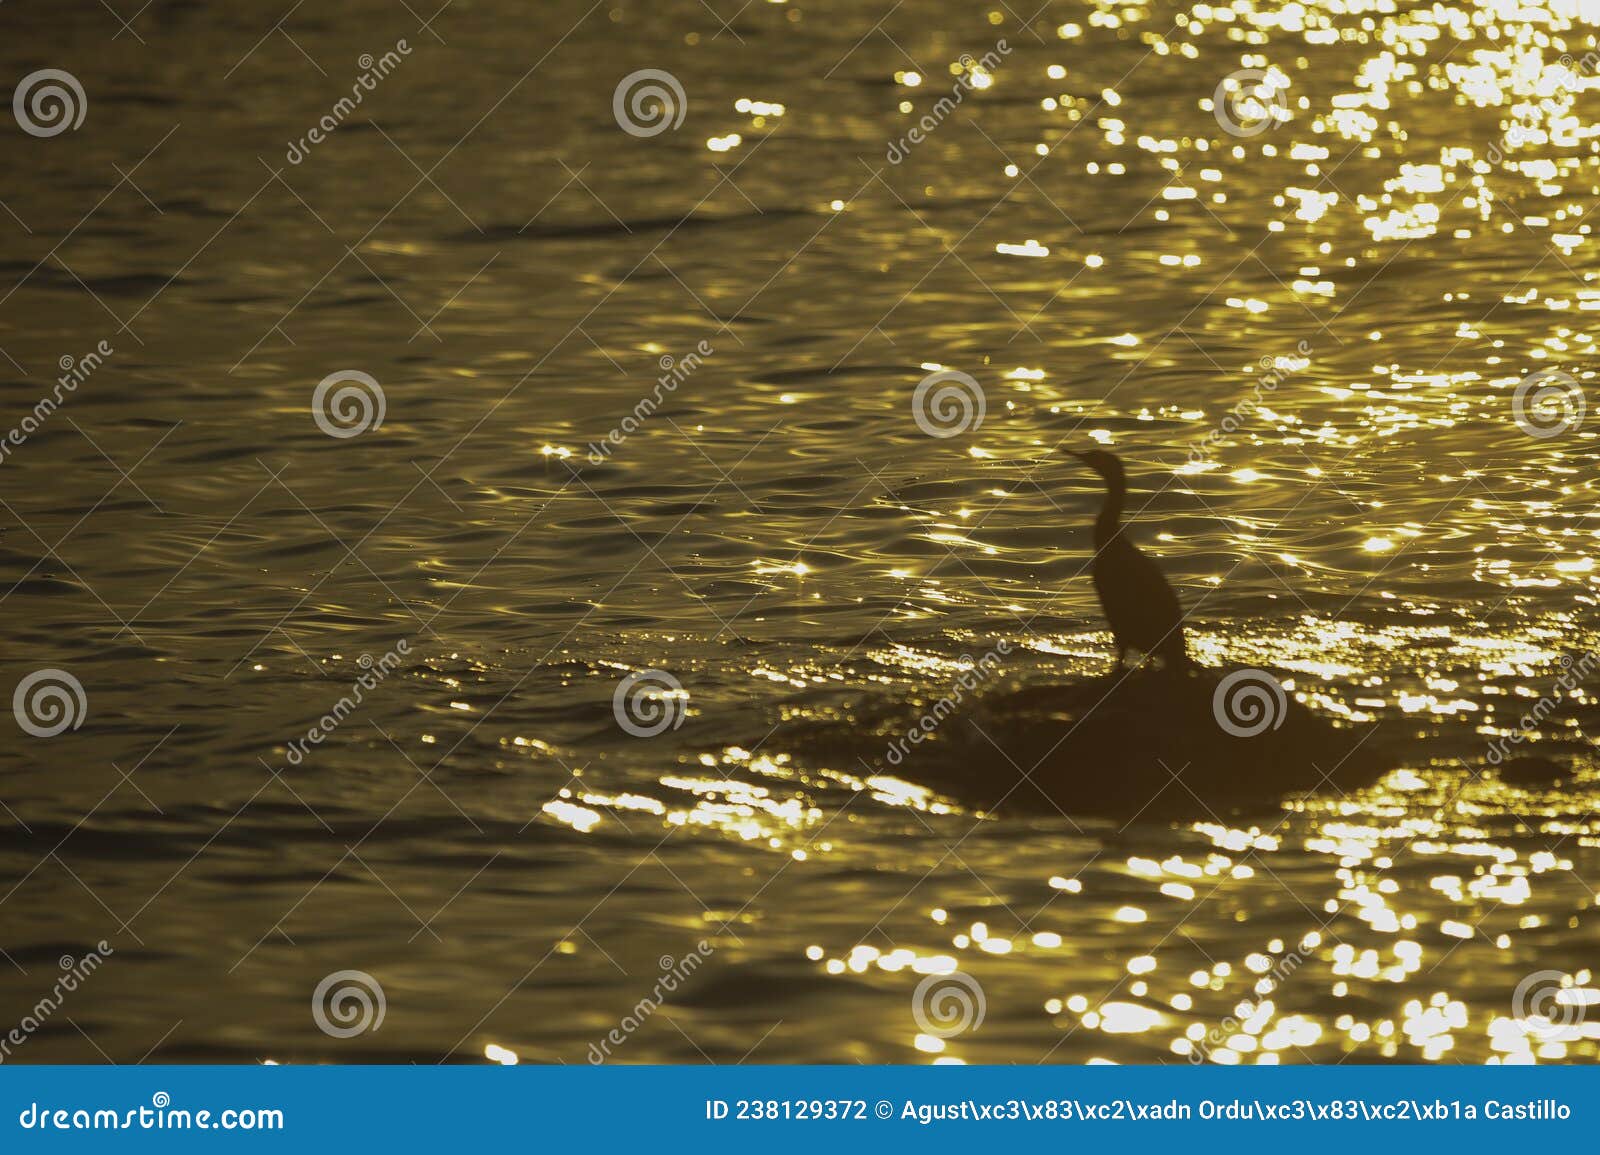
<point x="1362" y="286"/>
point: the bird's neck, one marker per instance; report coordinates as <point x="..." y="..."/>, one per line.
<point x="1110" y="519"/>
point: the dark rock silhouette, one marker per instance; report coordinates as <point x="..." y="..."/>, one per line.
<point x="1533" y="771"/>
<point x="1148" y="744"/>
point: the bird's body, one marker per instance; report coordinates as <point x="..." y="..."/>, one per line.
<point x="1140" y="606"/>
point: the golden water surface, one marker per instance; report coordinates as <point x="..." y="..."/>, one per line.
<point x="1304" y="336"/>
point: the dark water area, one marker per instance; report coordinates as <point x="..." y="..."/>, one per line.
<point x="354" y="690"/>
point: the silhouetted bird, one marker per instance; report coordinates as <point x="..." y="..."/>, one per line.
<point x="1140" y="606"/>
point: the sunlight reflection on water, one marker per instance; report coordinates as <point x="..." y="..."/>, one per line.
<point x="1307" y="337"/>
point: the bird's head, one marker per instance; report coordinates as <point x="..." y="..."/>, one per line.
<point x="1107" y="465"/>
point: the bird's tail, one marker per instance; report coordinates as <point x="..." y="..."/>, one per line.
<point x="1175" y="655"/>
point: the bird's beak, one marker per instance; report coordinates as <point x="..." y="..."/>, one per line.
<point x="1078" y="455"/>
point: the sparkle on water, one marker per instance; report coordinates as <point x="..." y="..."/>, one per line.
<point x="1304" y="340"/>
